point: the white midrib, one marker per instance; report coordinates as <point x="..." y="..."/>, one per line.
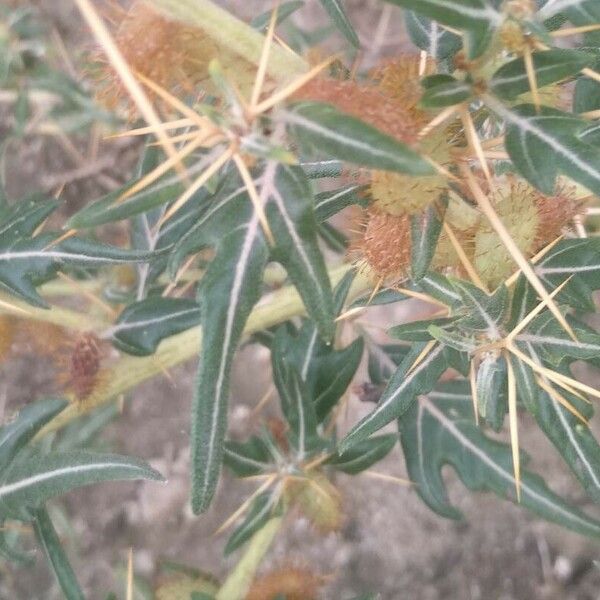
<point x="240" y="271"/>
<point x="482" y="14"/>
<point x="301" y="424"/>
<point x="527" y="127"/>
<point x="137" y="324"/>
<point x="309" y="352"/>
<point x="296" y="119"/>
<point x="407" y="381"/>
<point x="59" y="255"/>
<point x="333" y="198"/>
<point x="466" y="443"/>
<point x="543" y="339"/>
<point x="297" y="241"/>
<point x="559" y="411"/>
<point x="553" y="7"/>
<point x="521" y="77"/>
<point x="493" y="327"/>
<point x="41" y="477"/>
<point x="442" y="289"/>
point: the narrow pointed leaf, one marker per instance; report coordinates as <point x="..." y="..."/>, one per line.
<point x="143" y="325"/>
<point x="477" y="17"/>
<point x="425" y="231"/>
<point x="401" y="392"/>
<point x="261" y="511"/>
<point x="492" y="399"/>
<point x="328" y="204"/>
<point x="336" y="11"/>
<point x="228" y="292"/>
<point x="290" y="213"/>
<point x="14" y="436"/>
<point x="545" y="144"/>
<point x="342" y="136"/>
<point x="364" y="455"/>
<point x="430" y="36"/>
<point x="247" y="458"/>
<point x="511" y="80"/>
<point x="34" y="479"/>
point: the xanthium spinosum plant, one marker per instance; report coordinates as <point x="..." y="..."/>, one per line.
<point x="468" y="174"/>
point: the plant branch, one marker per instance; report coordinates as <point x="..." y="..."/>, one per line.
<point x="130" y="371"/>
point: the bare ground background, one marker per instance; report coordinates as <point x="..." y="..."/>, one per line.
<point x="390" y="543"/>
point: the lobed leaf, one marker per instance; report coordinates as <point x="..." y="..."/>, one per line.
<point x="439" y="432"/>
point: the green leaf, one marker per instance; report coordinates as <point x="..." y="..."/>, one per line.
<point x="143" y="325"/>
<point x="347" y="138"/>
<point x="440" y="288"/>
<point x="452" y="339"/>
<point x="14" y="436"/>
<point x="418" y="331"/>
<point x="48" y="538"/>
<point x="579" y="257"/>
<point x="430" y="36"/>
<point x="363" y="455"/>
<point x="483" y="312"/>
<point x="576" y="10"/>
<point x="247" y="458"/>
<point x="384" y="359"/>
<point x="290" y="212"/>
<point x="425" y="231"/>
<point x="338" y="15"/>
<point x="32" y="480"/>
<point x="435" y="433"/>
<point x="381" y="298"/>
<point x="328" y="204"/>
<point x="400" y="393"/>
<point x="572" y="438"/>
<point x="542" y="145"/>
<point x="586" y="96"/>
<point x="301" y="416"/>
<point x="548" y="337"/>
<point x="477" y="17"/>
<point x="446" y="93"/>
<point x="492" y="399"/>
<point x="284" y="10"/>
<point x="326" y="371"/>
<point x="228" y="291"/>
<point x="262" y="509"/>
<point x="29" y="261"/>
<point x="109" y="208"/>
<point x="511" y="80"/>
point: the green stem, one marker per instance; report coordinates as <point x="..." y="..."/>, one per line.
<point x="130" y="371"/>
<point x="239" y="580"/>
<point x="233" y="34"/>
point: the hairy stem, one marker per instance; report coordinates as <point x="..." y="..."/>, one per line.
<point x="130" y="371"/>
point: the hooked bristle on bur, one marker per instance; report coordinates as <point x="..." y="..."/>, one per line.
<point x="292" y="583"/>
<point x="533" y="220"/>
<point x="171" y="54"/>
<point x="384" y="247"/>
<point x="400" y="79"/>
<point x="81" y="366"/>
